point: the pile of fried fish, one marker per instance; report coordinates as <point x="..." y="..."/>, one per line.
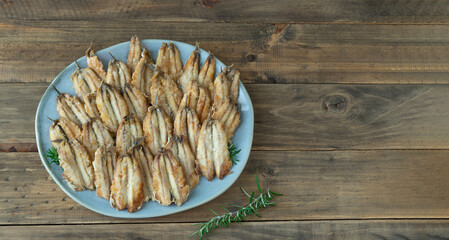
<point x="145" y="130"/>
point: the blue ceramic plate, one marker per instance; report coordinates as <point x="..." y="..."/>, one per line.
<point x="202" y="193"/>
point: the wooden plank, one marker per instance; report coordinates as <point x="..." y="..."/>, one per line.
<point x="232" y="11"/>
<point x="381" y="229"/>
<point x="302" y="117"/>
<point x="317" y="185"/>
<point x="36" y="51"/>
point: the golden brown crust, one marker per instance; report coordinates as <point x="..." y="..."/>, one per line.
<point x="184" y="155"/>
<point x="142" y="154"/>
<point x="129" y="131"/>
<point x="161" y="185"/>
<point x="111" y="105"/>
<point x="90" y="105"/>
<point x="72" y="108"/>
<point x="118" y="74"/>
<point x="197" y="98"/>
<point x="190" y="72"/>
<point x="212" y="153"/>
<point x="104" y="164"/>
<point x="169" y="60"/>
<point x="187" y="125"/>
<point x="85" y="81"/>
<point x="158" y="129"/>
<point x="165" y="93"/>
<point x="136" y="100"/>
<point x="94" y="63"/>
<point x="141" y="77"/>
<point x="207" y="73"/>
<point x="94" y="135"/>
<point x="63" y="129"/>
<point x="229" y="116"/>
<point x="134" y="53"/>
<point x="77" y="165"/>
<point x="127" y="185"/>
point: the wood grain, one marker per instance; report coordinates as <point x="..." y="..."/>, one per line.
<point x="414" y="11"/>
<point x="36" y="51"/>
<point x="381" y="229"/>
<point x="302" y="117"/>
<point x="317" y="185"/>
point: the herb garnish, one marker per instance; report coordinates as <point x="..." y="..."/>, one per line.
<point x="262" y="201"/>
<point x="52" y="155"/>
<point x="233" y="153"/>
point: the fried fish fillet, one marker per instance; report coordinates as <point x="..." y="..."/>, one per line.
<point x="212" y="153"/>
<point x="226" y="86"/>
<point x="169" y="60"/>
<point x="229" y="116"/>
<point x="85" y="81"/>
<point x="141" y="77"/>
<point x="184" y="155"/>
<point x="72" y="108"/>
<point x="165" y="93"/>
<point x="142" y="154"/>
<point x="94" y="135"/>
<point x="169" y="182"/>
<point x="104" y="165"/>
<point x="94" y="63"/>
<point x="158" y="129"/>
<point x="190" y="72"/>
<point x="111" y="105"/>
<point x="207" y="73"/>
<point x="129" y="131"/>
<point x="134" y="54"/>
<point x="136" y="100"/>
<point x="63" y="129"/>
<point x="197" y="98"/>
<point x="77" y="165"/>
<point x="187" y="125"/>
<point x="90" y="104"/>
<point x="127" y="184"/>
<point x="118" y="73"/>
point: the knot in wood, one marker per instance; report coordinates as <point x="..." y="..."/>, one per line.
<point x="335" y="103"/>
<point x="251" y="57"/>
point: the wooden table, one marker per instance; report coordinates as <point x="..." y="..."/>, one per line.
<point x="351" y="113"/>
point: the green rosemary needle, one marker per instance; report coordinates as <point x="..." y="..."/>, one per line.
<point x="264" y="200"/>
<point x="52" y="156"/>
<point x="233" y="153"/>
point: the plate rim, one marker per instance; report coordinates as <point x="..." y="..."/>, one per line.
<point x="130" y="216"/>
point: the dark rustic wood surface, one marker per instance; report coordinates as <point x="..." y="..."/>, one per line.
<point x="351" y="113"/>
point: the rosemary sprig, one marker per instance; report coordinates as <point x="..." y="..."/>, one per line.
<point x="233" y="153"/>
<point x="262" y="201"/>
<point x="52" y="156"/>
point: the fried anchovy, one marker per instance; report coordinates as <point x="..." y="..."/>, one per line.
<point x="142" y="154"/>
<point x="183" y="153"/>
<point x="85" y="81"/>
<point x="94" y="63"/>
<point x="128" y="132"/>
<point x="136" y="100"/>
<point x="90" y="104"/>
<point x="207" y="73"/>
<point x="169" y="60"/>
<point x="63" y="129"/>
<point x="111" y="105"/>
<point x="77" y="165"/>
<point x="118" y="73"/>
<point x="212" y="153"/>
<point x="229" y="116"/>
<point x="187" y="125"/>
<point x="169" y="183"/>
<point x="134" y="53"/>
<point x="72" y="108"/>
<point x="165" y="93"/>
<point x="197" y="98"/>
<point x="127" y="184"/>
<point x="104" y="165"/>
<point x="94" y="135"/>
<point x="226" y="86"/>
<point x="158" y="129"/>
<point x="141" y="77"/>
<point x="190" y="72"/>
